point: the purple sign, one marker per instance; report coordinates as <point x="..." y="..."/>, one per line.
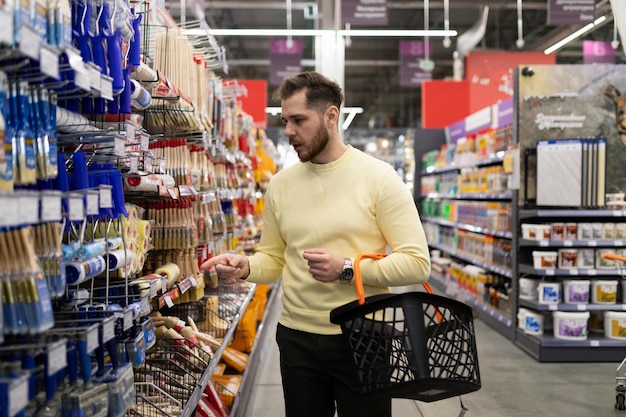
<point x="571" y="12"/>
<point x="415" y="63"/>
<point x="285" y="59"/>
<point x="364" y="12"/>
<point x="457" y="131"/>
<point x="598" y="52"/>
<point x="505" y="113"/>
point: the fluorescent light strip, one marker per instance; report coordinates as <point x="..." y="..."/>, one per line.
<point x="574" y="35"/>
<point x="351" y="111"/>
<point x="317" y="32"/>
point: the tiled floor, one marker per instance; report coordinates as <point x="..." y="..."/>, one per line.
<point x="513" y="385"/>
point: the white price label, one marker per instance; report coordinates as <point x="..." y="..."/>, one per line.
<point x="553" y="307"/>
<point x="51" y="208"/>
<point x="18" y="396"/>
<point x="168" y="300"/>
<point x="29" y="208"/>
<point x="106" y="87"/>
<point x="147" y="163"/>
<point x="30" y="42"/>
<point x="619" y="243"/>
<point x="57" y="356"/>
<point x="49" y="59"/>
<point x="581" y="307"/>
<point x="119" y="147"/>
<point x="573" y="271"/>
<point x="108" y="329"/>
<point x="544" y="243"/>
<point x="93" y="204"/>
<point x="550" y="271"/>
<point x="568" y="243"/>
<point x="145" y="306"/>
<point x="106" y="197"/>
<point x="92" y="338"/>
<point x="128" y="319"/>
<point x="134" y="164"/>
<point x="144" y="145"/>
<point x="592" y="243"/>
<point x="193" y="281"/>
<point x="184" y="286"/>
<point x="130" y="131"/>
<point x="594" y="343"/>
<point x="164" y="285"/>
<point x="172" y="193"/>
<point x="6" y="28"/>
<point x="82" y="80"/>
<point x="95" y="78"/>
<point x="592" y="272"/>
<point x="153" y="288"/>
<point x="76" y="208"/>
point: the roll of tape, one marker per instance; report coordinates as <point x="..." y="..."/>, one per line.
<point x="119" y="259"/>
<point x="171" y="270"/>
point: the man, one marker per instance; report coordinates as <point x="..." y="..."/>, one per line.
<point x="319" y="215"/>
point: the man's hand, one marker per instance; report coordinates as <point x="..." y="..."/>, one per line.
<point x="230" y="267"/>
<point x="324" y="265"/>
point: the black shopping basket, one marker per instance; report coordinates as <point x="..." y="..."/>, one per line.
<point x="415" y="345"/>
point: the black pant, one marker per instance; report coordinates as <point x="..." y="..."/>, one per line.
<point x="317" y="374"/>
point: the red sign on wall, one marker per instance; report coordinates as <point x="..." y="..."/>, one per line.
<point x="255" y="102"/>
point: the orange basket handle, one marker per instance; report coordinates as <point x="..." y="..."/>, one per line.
<point x="358" y="281"/>
<point x="606" y="255"/>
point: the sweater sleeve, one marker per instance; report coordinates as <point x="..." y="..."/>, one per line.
<point x="266" y="265"/>
<point x="398" y="219"/>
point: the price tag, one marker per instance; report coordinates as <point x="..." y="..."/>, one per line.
<point x="568" y="243"/>
<point x="134" y="164"/>
<point x="51" y="208"/>
<point x="619" y="243"/>
<point x="184" y="285"/>
<point x="108" y="329"/>
<point x="147" y="164"/>
<point x="581" y="307"/>
<point x="76" y="208"/>
<point x="145" y="306"/>
<point x="161" y="165"/>
<point x="57" y="356"/>
<point x="119" y="147"/>
<point x="130" y="131"/>
<point x="93" y="203"/>
<point x="95" y="77"/>
<point x="6" y="28"/>
<point x="49" y="61"/>
<point x="550" y="271"/>
<point x="573" y="271"/>
<point x="18" y="395"/>
<point x="29" y="208"/>
<point x="172" y="193"/>
<point x="106" y="196"/>
<point x="168" y="300"/>
<point x="144" y="144"/>
<point x="544" y="243"/>
<point x="193" y="281"/>
<point x="153" y="288"/>
<point x="592" y="272"/>
<point x="553" y="307"/>
<point x="82" y="80"/>
<point x="127" y="321"/>
<point x="92" y="338"/>
<point x="10" y="209"/>
<point x="594" y="343"/>
<point x="592" y="243"/>
<point x="106" y="87"/>
<point x="30" y="42"/>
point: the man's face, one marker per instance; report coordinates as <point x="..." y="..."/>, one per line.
<point x="304" y="127"/>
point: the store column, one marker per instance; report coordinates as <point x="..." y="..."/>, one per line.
<point x="330" y="54"/>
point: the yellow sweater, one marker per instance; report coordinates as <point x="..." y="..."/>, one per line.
<point x="356" y="204"/>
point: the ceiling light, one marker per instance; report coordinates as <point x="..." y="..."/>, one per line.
<point x="372" y="33"/>
<point x="350" y="111"/>
<point x="574" y="35"/>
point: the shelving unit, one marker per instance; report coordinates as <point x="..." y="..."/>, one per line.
<point x="547" y="347"/>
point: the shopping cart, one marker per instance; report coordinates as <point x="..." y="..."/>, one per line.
<point x="414" y="345"/>
<point x="620" y="373"/>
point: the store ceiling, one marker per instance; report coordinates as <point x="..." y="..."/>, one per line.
<point x="372" y="64"/>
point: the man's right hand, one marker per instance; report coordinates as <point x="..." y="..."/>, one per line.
<point x="230" y="267"/>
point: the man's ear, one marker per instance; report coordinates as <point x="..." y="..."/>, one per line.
<point x="333" y="114"/>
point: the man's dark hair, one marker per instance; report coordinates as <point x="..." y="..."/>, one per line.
<point x="320" y="91"/>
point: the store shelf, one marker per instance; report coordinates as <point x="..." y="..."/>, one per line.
<point x="495" y="159"/>
<point x="571" y="213"/>
<point x="527" y="269"/>
<point x="547" y="348"/>
<point x="470" y="196"/>
<point x="492" y="316"/>
<point x="497" y="269"/>
<point x="570" y="307"/>
<point x="464" y="226"/>
<point x="545" y="243"/>
<point x="190" y="407"/>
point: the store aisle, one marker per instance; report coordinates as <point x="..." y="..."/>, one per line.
<point x="513" y="385"/>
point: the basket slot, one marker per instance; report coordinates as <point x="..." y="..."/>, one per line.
<point x="152" y="401"/>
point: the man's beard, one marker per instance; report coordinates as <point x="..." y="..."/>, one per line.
<point x="317" y="145"/>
